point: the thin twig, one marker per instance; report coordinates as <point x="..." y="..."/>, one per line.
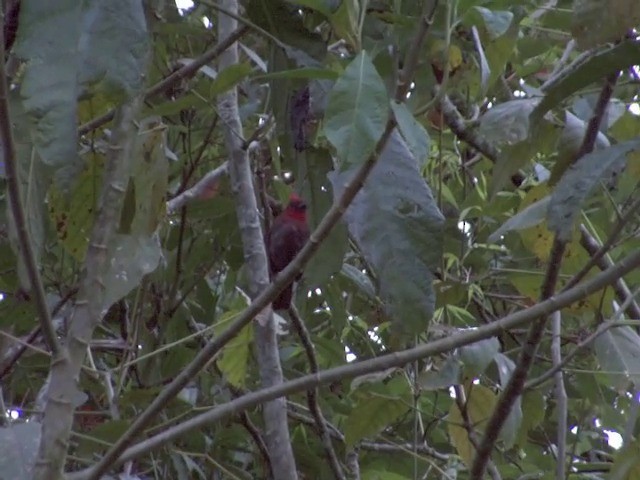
<point x="561" y="396"/>
<point x="204" y="185"/>
<point x="25" y="245"/>
<point x="312" y="394"/>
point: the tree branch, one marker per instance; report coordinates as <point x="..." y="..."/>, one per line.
<point x="88" y="310"/>
<point x="277" y="436"/>
<point x="199" y="190"/>
<point x="515" y="386"/>
<point x="396" y="359"/>
<point x="312" y="394"/>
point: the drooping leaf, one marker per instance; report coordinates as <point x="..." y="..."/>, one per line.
<point x="372" y="414"/>
<point x="132" y="257"/>
<point x="235" y="357"/>
<point x="357" y="111"/>
<point x="113" y="48"/>
<point x="328" y="260"/>
<point x="412" y="131"/>
<point x="579" y="180"/>
<point x="479" y="406"/>
<point x="618" y="353"/>
<point x="398" y="226"/>
<point x="509" y="431"/>
<point x="530" y="216"/>
<point x="477" y="356"/>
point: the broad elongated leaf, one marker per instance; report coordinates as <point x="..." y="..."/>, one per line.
<point x="372" y="414"/>
<point x="132" y="257"/>
<point x="235" y="357"/>
<point x="509" y="431"/>
<point x="618" y="353"/>
<point x="477" y="356"/>
<point x="328" y="259"/>
<point x="113" y="47"/>
<point x="19" y="446"/>
<point x="479" y="406"/>
<point x="48" y="39"/>
<point x="357" y="111"/>
<point x="528" y="217"/>
<point x="577" y="182"/>
<point x="398" y="226"/>
<point x="412" y="131"/>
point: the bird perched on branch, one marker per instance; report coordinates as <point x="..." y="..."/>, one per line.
<point x="285" y="239"/>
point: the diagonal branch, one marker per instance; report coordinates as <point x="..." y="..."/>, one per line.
<point x="17" y="211"/>
<point x="187" y="71"/>
<point x="88" y="310"/>
<point x="391" y="360"/>
<point x="515" y="386"/>
<point x="284" y="278"/>
<point x="312" y="394"/>
<point x="277" y="436"/>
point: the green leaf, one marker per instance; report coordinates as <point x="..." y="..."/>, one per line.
<point x="596" y="66"/>
<point x="397" y="224"/>
<point x="19" y="446"/>
<point x="576" y="184"/>
<point x="448" y="374"/>
<point x="72" y="214"/>
<point x="530" y="216"/>
<point x="371" y="415"/>
<point x="48" y="40"/>
<point x="132" y="257"/>
<point x="509" y="431"/>
<point x="318" y="191"/>
<point x="477" y="356"/>
<point x="571" y="140"/>
<point x="618" y="353"/>
<point x="149" y="179"/>
<point x="108" y="432"/>
<point x="626" y="465"/>
<point x="479" y="407"/>
<point x="596" y="22"/>
<point x="508" y="122"/>
<point x="229" y="78"/>
<point x="235" y="357"/>
<point x="412" y="131"/>
<point x="357" y="111"/>
<point x="533" y="412"/>
<point x="114" y="48"/>
<point x="495" y="23"/>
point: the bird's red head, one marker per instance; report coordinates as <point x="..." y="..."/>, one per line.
<point x="297" y="208"/>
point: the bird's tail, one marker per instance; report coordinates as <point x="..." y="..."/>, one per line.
<point x="283" y="301"/>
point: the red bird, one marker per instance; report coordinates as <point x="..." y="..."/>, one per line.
<point x="286" y="238"/>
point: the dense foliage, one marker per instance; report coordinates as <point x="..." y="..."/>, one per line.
<point x="467" y="305"/>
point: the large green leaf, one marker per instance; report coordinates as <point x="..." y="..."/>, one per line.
<point x="618" y="353"/>
<point x="19" y="446"/>
<point x="397" y="224"/>
<point x="372" y="414"/>
<point x="113" y="47"/>
<point x="579" y="180"/>
<point x="357" y="111"/>
<point x="328" y="260"/>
